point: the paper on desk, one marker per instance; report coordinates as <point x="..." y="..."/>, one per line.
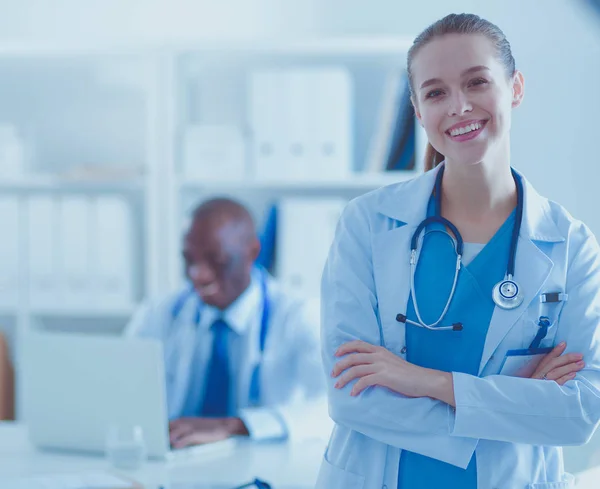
<point x="88" y="480"/>
<point x="203" y="452"/>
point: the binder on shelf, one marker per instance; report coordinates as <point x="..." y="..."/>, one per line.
<point x="264" y="121"/>
<point x="383" y="130"/>
<point x="268" y="238"/>
<point x="402" y="150"/>
<point x="42" y="249"/>
<point x="394" y="142"/>
<point x="305" y="231"/>
<point x="301" y="123"/>
<point x="295" y="117"/>
<point x="74" y="251"/>
<point x="9" y="252"/>
<point x="332" y="124"/>
<point x="112" y="252"/>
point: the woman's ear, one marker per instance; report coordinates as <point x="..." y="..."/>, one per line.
<point x="518" y="87"/>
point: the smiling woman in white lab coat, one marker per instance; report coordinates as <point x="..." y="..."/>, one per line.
<point x="444" y="338"/>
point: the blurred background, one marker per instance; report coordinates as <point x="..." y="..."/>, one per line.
<point x="117" y="116"/>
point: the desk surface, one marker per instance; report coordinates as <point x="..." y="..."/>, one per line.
<point x="283" y="465"/>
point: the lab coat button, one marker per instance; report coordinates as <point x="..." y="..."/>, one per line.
<point x="384" y="487"/>
<point x="403" y="351"/>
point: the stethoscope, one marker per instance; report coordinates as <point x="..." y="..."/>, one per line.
<point x="506" y="294"/>
<point x="190" y="292"/>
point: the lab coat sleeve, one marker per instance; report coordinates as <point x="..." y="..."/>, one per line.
<point x="303" y="415"/>
<point x="540" y="412"/>
<point x="263" y="424"/>
<point x="349" y="312"/>
<point x="297" y="421"/>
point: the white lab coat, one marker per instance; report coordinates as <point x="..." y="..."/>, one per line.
<point x="292" y="384"/>
<point x="516" y="426"/>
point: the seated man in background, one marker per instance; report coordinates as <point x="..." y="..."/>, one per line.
<point x="240" y="356"/>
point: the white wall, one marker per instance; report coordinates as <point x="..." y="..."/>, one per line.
<point x="556" y="44"/>
<point x="151" y="19"/>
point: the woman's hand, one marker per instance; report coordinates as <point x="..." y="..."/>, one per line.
<point x="375" y="365"/>
<point x="559" y="368"/>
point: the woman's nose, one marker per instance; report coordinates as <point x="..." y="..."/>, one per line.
<point x="459" y="104"/>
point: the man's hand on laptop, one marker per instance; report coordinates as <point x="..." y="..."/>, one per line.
<point x="184" y="432"/>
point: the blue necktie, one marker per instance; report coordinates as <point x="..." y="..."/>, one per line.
<point x="216" y="396"/>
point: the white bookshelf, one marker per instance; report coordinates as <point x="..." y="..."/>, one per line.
<point x="92" y="312"/>
<point x="139" y="88"/>
<point x="48" y="183"/>
<point x="355" y="182"/>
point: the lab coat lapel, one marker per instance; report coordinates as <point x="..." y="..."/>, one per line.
<point x="406" y="206"/>
<point x="180" y="354"/>
<point x="391" y="267"/>
<point x="250" y="357"/>
<point x="532" y="268"/>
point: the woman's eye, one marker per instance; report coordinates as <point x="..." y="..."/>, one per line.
<point x="433" y="94"/>
<point x="478" y="81"/>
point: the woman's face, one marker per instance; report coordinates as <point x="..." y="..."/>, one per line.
<point x="463" y="97"/>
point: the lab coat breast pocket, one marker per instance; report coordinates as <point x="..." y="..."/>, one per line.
<point x="537" y="329"/>
<point x="540" y="311"/>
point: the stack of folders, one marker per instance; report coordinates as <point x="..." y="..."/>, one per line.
<point x="79" y="251"/>
<point x="394" y="141"/>
<point x="301" y="123"/>
<point x="305" y="231"/>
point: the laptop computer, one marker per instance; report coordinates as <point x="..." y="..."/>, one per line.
<point x="75" y="387"/>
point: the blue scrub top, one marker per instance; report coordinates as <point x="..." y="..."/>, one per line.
<point x="451" y="351"/>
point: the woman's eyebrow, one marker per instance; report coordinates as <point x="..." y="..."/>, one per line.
<point x="473" y="69"/>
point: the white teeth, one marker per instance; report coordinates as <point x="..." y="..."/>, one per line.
<point x="465" y="129"/>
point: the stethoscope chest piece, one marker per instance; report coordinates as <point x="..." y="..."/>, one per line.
<point x="507" y="294"/>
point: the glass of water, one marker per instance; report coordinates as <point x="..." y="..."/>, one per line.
<point x="126" y="447"/>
